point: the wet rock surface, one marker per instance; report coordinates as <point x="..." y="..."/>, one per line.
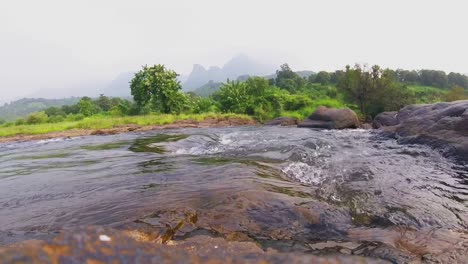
<point x="385" y="119"/>
<point x="272" y="194"/>
<point x="105" y="245"/>
<point x="330" y="118"/>
<point x="443" y="126"/>
<point x="282" y="121"/>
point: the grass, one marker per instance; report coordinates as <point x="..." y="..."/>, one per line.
<point x="307" y="111"/>
<point x="103" y="122"/>
<point x="427" y="94"/>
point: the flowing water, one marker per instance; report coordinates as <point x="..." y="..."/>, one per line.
<point x="291" y="189"/>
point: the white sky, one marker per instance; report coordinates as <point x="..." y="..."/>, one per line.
<point x="58" y="43"/>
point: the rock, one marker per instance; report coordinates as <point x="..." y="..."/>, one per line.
<point x="385" y="119"/>
<point x="104" y="132"/>
<point x="331" y="118"/>
<point x="282" y="121"/>
<point x="442" y="125"/>
<point x="106" y="245"/>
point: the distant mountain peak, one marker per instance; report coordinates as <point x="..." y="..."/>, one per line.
<point x="237" y="66"/>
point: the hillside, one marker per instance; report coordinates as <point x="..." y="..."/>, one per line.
<point x="25" y="106"/>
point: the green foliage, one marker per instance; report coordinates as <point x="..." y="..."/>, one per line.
<point x="104" y="103"/>
<point x="75" y="117"/>
<point x="103" y="122"/>
<point x="56" y="119"/>
<point x="374" y="90"/>
<point x="37" y="118"/>
<point x="296" y="102"/>
<point x="204" y="105"/>
<point x="158" y="87"/>
<point x="455" y="94"/>
<point x="87" y="107"/>
<point x="23" y="107"/>
<point x="20" y="121"/>
<point x="323" y="78"/>
<point x="289" y="80"/>
<point x="55" y="111"/>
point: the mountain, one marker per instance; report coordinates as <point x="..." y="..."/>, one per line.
<point x="237" y="66"/>
<point x="120" y="86"/>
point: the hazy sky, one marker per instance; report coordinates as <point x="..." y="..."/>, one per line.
<point x="55" y="44"/>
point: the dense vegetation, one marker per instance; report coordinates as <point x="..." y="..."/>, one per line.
<point x="368" y="91"/>
<point x="23" y="107"/>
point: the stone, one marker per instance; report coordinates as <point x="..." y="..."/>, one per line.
<point x="443" y="126"/>
<point x="331" y="118"/>
<point x="282" y="121"/>
<point x="385" y="119"/>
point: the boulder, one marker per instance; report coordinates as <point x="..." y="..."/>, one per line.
<point x="385" y="119"/>
<point x="331" y="118"/>
<point x="442" y="125"/>
<point x="282" y="121"/>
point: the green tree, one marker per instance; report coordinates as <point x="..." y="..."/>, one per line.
<point x="55" y="111"/>
<point x="37" y="118"/>
<point x="233" y="97"/>
<point x="322" y="77"/>
<point x="87" y="107"/>
<point x="104" y="103"/>
<point x="158" y="87"/>
<point x="289" y="80"/>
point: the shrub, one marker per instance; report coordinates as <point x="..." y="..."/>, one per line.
<point x="75" y="117"/>
<point x="37" y="118"/>
<point x="20" y="122"/>
<point x="56" y="119"/>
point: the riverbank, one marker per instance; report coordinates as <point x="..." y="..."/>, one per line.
<point x="116" y="125"/>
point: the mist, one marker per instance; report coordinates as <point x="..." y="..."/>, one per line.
<point x="57" y="48"/>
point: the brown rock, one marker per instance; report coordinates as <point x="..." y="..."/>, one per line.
<point x="331" y="118"/>
<point x="106" y="245"/>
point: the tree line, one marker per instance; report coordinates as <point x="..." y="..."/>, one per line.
<point x="367" y="90"/>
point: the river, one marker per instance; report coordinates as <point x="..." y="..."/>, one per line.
<point x="286" y="188"/>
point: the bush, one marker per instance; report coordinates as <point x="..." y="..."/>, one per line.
<point x="20" y="122"/>
<point x="204" y="105"/>
<point x="37" y="118"/>
<point x="75" y="117"/>
<point x="56" y="119"/>
<point x="296" y="102"/>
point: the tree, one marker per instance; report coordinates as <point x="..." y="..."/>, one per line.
<point x="158" y="87"/>
<point x="288" y="80"/>
<point x="323" y="78"/>
<point x="104" y="103"/>
<point x="374" y="90"/>
<point x="87" y="107"/>
<point x="457" y="79"/>
<point x="233" y="97"/>
<point x="256" y="86"/>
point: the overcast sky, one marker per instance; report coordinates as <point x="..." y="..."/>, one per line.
<point x="59" y="43"/>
